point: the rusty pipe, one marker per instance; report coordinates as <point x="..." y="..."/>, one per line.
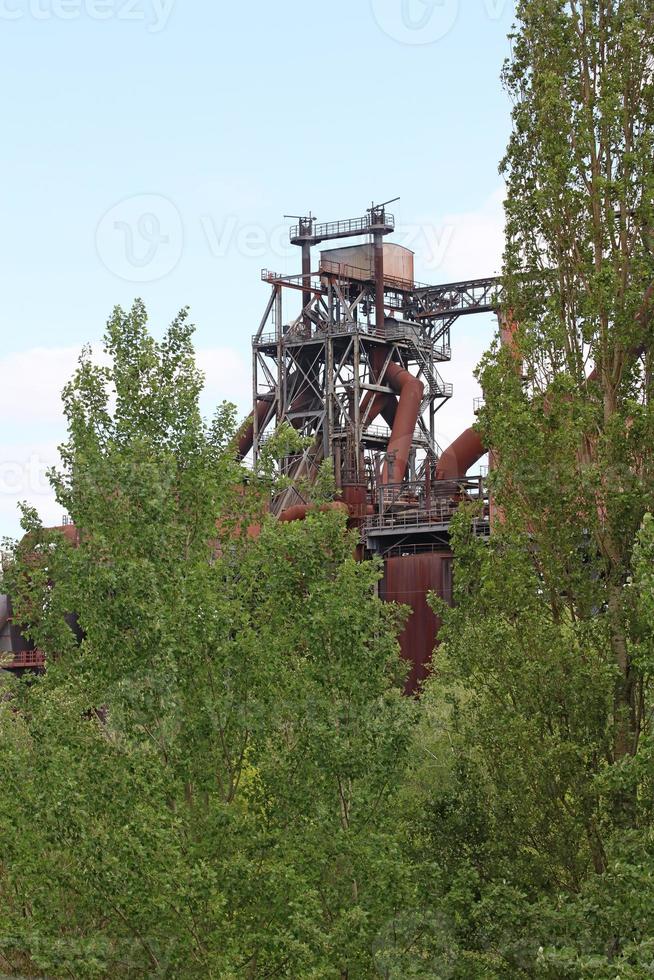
<point x="246" y="434"/>
<point x="401" y="415"/>
<point x="463" y="453"/>
<point x="381" y="404"/>
<point x="301" y="511"/>
<point x="246" y="437"/>
<point x="411" y="391"/>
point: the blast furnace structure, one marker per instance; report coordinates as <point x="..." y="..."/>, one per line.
<point x="357" y="370"/>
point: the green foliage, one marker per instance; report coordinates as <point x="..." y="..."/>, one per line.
<point x="218" y="776"/>
<point x="531" y="796"/>
<point x="206" y="784"/>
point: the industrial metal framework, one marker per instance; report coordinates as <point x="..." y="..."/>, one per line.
<point x="328" y="370"/>
<point x="356" y="370"/>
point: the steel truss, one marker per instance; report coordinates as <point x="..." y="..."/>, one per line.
<point x="317" y="368"/>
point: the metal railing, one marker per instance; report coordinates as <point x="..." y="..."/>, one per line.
<point x="440" y="512"/>
<point x="415" y="503"/>
<point x="441" y="352"/>
<point x="382" y="432"/>
<point x="340" y="270"/>
<point x="349" y="226"/>
<point x="457" y="298"/>
<point x="22" y="660"/>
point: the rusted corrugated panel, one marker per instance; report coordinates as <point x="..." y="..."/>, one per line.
<point x="407" y="581"/>
<point x="398" y="262"/>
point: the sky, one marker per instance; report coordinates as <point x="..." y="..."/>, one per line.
<point x="152" y="147"/>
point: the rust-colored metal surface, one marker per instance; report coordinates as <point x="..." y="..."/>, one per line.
<point x="25" y="660"/>
<point x="410" y="390"/>
<point x="380" y="309"/>
<point x="246" y="437"/>
<point x="358" y="262"/>
<point x="407" y="580"/>
<point x="380" y="403"/>
<point x="355" y="496"/>
<point x="16" y="650"/>
<point x="376" y="403"/>
<point x="460" y="456"/>
<point x="402" y="415"/>
<point x="300" y="511"/>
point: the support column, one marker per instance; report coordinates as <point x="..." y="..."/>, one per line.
<point x="357" y="405"/>
<point x="255" y="414"/>
<point x="306" y="275"/>
<point x="378" y="248"/>
<point x="280" y="362"/>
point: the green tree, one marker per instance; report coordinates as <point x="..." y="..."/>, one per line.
<point x="536" y="823"/>
<point x="574" y="441"/>
<point x="206" y="784"/>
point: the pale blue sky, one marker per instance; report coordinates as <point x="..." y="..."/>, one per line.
<point x="212" y="120"/>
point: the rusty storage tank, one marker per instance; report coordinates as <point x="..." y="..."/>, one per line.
<point x="358" y="262"/>
<point x="408" y="578"/>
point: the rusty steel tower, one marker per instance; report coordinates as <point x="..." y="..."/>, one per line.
<point x="356" y="368"/>
<point x="353" y="364"/>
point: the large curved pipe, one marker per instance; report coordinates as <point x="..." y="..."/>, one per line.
<point x="402" y="415"/>
<point x="246" y="435"/>
<point x="381" y="403"/>
<point x="457" y="459"/>
<point x="411" y="392"/>
<point x="301" y="511"/>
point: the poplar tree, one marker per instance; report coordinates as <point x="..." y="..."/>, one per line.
<point x="536" y="827"/>
<point x="204" y="782"/>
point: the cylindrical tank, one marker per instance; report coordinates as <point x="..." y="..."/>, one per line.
<point x="355" y="495"/>
<point x="407" y="580"/>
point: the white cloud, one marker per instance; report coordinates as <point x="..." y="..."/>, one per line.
<point x="448" y="248"/>
<point x="32" y="381"/>
<point x="470" y="338"/>
<point x="227" y="375"/>
<point x="454" y="247"/>
<point x="462" y="245"/>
